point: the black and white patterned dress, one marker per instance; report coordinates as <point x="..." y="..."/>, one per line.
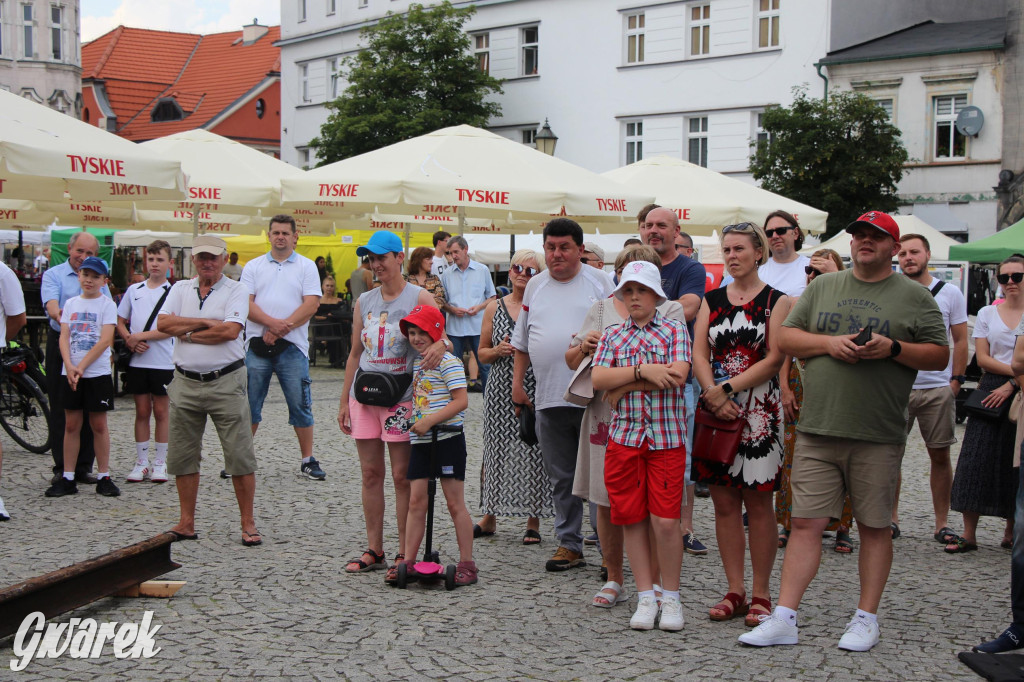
<point x="514" y="482"/>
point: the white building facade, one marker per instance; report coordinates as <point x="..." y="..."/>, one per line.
<point x="40" y="52"/>
<point x="618" y="81"/>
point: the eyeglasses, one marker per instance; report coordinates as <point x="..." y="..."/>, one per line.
<point x="739" y="227"/>
<point x="684" y="247"/>
<point x="808" y="269"/>
<point x="523" y="270"/>
<point x="1004" y="278"/>
<point x="778" y="231"/>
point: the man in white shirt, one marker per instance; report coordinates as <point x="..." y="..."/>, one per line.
<point x="233" y="269"/>
<point x="12" y="319"/>
<point x="932" y="400"/>
<point x="785" y="269"/>
<point x="441" y="261"/>
<point x="554" y="305"/>
<point x="284" y="293"/>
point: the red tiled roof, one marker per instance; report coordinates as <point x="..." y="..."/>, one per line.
<point x="204" y="74"/>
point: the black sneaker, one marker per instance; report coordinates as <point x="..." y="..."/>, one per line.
<point x="312" y="470"/>
<point x="701" y="490"/>
<point x="61" y="488"/>
<point x="106" y="487"/>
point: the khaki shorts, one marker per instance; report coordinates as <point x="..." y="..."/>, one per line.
<point x="226" y="402"/>
<point x="825" y="469"/>
<point x="935" y="411"/>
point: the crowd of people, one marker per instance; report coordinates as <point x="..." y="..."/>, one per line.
<point x="603" y="389"/>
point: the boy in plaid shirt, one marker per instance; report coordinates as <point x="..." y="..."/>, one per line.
<point x="643" y="365"/>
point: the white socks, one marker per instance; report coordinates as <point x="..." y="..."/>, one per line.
<point x="161" y="453"/>
<point x="866" y="617"/>
<point x="142" y="453"/>
<point x="789" y="615"/>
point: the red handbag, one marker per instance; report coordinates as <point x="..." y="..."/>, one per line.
<point x="716" y="441"/>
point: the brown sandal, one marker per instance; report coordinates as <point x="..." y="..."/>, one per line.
<point x="377" y="562"/>
<point x="732" y="605"/>
<point x="763" y="608"/>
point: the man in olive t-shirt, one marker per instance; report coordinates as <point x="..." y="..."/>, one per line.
<point x="853" y="422"/>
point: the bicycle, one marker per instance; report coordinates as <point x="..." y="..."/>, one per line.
<point x="24" y="409"/>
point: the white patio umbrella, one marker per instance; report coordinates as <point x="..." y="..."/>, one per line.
<point x="909" y="224"/>
<point x="45" y="154"/>
<point x="463" y="172"/>
<point x="706" y="200"/>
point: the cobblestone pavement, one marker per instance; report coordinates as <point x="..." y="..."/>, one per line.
<point x="287" y="609"/>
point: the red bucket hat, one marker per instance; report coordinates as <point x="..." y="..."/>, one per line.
<point x="426" y="317"/>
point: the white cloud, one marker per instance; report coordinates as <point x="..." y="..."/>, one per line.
<point x="188" y="16"/>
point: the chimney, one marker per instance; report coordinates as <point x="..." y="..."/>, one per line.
<point x="253" y="32"/>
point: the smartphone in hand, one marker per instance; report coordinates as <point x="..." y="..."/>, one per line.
<point x="864" y="336"/>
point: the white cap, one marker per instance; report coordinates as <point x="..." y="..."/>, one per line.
<point x="645" y="273"/>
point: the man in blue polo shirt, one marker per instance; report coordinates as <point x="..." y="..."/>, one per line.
<point x="468" y="288"/>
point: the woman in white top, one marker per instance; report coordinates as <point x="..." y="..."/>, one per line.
<point x="985" y="483"/>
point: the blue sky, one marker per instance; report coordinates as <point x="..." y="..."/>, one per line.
<point x="190" y="16"/>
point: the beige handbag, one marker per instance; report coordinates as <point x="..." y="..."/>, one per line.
<point x="581" y="387"/>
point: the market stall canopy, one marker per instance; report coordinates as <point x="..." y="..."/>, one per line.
<point x="909" y="224"/>
<point x="994" y="249"/>
<point x="44" y="153"/>
<point x="462" y="170"/>
<point x="706" y="200"/>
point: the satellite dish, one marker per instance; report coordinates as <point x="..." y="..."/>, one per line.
<point x="970" y="121"/>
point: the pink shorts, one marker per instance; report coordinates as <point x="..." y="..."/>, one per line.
<point x="389" y="424"/>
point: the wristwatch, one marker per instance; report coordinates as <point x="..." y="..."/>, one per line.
<point x="960" y="378"/>
<point x="896" y="349"/>
<point x="188" y="337"/>
<point x="727" y="387"/>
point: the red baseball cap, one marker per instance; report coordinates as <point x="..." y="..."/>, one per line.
<point x="426" y="317"/>
<point x="879" y="220"/>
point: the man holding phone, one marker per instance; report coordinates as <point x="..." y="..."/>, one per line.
<point x="852" y="426"/>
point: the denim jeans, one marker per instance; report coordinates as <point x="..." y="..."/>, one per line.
<point x="461" y="344"/>
<point x="1017" y="560"/>
<point x="292" y="369"/>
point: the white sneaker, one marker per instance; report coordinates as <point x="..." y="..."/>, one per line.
<point x="772" y="630"/>
<point x="671" y="614"/>
<point x="138" y="474"/>
<point x="860" y="635"/>
<point x="646" y="614"/>
<point x="159" y="474"/>
<point x="4" y="516"/>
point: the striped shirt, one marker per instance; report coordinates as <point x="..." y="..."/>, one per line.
<point x="658" y="416"/>
<point x="432" y="390"/>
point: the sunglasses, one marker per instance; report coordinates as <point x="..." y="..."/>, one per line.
<point x="778" y="231"/>
<point x="809" y="270"/>
<point x="1005" y="278"/>
<point x="585" y="260"/>
<point x="523" y="270"/>
<point x="739" y="227"/>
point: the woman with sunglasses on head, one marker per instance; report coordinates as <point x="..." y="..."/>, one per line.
<point x="588" y="482"/>
<point x="512" y="479"/>
<point x="736" y="360"/>
<point x="984" y="483"/>
<point x="822" y="261"/>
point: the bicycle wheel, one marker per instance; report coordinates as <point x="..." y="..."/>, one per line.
<point x="24" y="412"/>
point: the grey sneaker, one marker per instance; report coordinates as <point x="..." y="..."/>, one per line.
<point x="311" y="469"/>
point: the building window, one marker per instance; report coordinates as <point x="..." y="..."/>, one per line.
<point x="303" y="157"/>
<point x="26" y="20"/>
<point x="482" y="51"/>
<point x="167" y="109"/>
<point x="261" y="108"/>
<point x="304" y="82"/>
<point x="57" y="31"/>
<point x="635" y="38"/>
<point x="949" y="142"/>
<point x="700" y="29"/>
<point x="697" y="140"/>
<point x="529" y="137"/>
<point x="529" y="38"/>
<point x="302" y="9"/>
<point x="363" y="4"/>
<point x="886" y="103"/>
<point x="768" y="23"/>
<point x="762" y="136"/>
<point x="332" y="7"/>
<point x="332" y="78"/>
<point x="634" y="142"/>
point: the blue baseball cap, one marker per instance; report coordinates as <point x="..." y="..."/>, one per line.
<point x="381" y="242"/>
<point x="96" y="265"/>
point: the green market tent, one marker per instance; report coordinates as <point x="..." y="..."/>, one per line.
<point x="994" y="249"/>
<point x="59" y="243"/>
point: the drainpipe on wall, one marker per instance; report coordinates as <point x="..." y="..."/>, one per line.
<point x="817" y="66"/>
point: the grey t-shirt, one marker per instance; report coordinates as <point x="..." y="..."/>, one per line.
<point x="385" y="348"/>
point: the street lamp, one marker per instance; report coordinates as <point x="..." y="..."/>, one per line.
<point x="546" y="140"/>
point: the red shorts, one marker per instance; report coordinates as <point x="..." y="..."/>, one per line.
<point x="642" y="481"/>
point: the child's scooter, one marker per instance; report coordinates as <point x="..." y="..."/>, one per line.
<point x="430" y="569"/>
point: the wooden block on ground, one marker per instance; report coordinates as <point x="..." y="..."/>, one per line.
<point x="153" y="588"/>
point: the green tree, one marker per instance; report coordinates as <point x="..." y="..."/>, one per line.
<point x="416" y="74"/>
<point x="841" y="155"/>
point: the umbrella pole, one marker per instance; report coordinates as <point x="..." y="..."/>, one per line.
<point x="462" y="221"/>
<point x="511" y="247"/>
<point x="195" y="220"/>
<point x="407" y="238"/>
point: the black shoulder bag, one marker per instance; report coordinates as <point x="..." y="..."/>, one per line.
<point x="122" y="355"/>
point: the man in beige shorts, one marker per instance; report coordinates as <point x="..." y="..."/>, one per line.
<point x="932" y="402"/>
<point x="206" y="315"/>
<point x="865" y="332"/>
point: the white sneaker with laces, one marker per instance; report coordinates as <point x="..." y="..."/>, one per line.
<point x="860" y="635"/>
<point x="4" y="516"/>
<point x="772" y="630"/>
<point x="138" y="474"/>
<point x="645" y="615"/>
<point x="671" y="615"/>
<point x="159" y="474"/>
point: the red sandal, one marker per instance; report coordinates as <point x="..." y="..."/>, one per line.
<point x="763" y="609"/>
<point x="732" y="605"/>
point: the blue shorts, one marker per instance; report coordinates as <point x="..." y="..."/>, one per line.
<point x="292" y="369"/>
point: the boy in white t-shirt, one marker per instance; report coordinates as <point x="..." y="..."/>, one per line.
<point x="86" y="333"/>
<point x="151" y="367"/>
